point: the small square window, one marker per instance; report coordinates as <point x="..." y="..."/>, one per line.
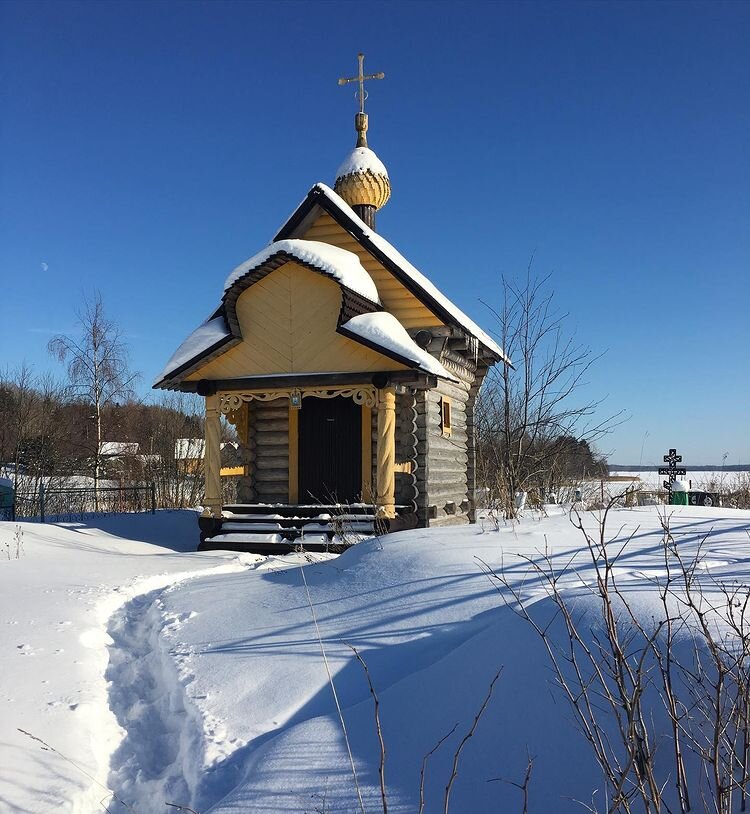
<point x="445" y="416"/>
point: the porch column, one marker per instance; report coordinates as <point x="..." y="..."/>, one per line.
<point x="212" y="457"/>
<point x="386" y="477"/>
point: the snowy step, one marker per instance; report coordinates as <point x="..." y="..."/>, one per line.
<point x="298" y="510"/>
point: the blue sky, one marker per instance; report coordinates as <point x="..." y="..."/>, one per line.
<point x="148" y="148"/>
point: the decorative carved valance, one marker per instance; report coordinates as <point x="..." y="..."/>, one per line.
<point x="231" y="402"/>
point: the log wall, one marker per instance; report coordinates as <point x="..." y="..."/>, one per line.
<point x="447" y="456"/>
<point x="268" y="450"/>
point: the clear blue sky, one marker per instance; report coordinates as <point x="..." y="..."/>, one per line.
<point x="148" y="148"/>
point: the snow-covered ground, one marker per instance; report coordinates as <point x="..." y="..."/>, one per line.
<point x="198" y="679"/>
<point x="708" y="480"/>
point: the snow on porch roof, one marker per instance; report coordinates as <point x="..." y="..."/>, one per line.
<point x="340" y="264"/>
<point x="384" y="332"/>
<point x="206" y="337"/>
<point x="382" y="249"/>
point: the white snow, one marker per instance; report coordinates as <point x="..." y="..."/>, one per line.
<point x="199" y="341"/>
<point x="186" y="449"/>
<point x="384" y="330"/>
<point x="113" y="449"/>
<point x="705" y="479"/>
<point x="340" y="264"/>
<point x="361" y="159"/>
<point x="396" y="257"/>
<point x="198" y="678"/>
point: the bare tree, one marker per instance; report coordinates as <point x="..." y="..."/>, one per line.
<point x="97" y="366"/>
<point x="664" y="701"/>
<point x="178" y="422"/>
<point x="528" y="417"/>
<point x="32" y="431"/>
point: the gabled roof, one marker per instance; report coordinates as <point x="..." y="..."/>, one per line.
<point x="339" y="264"/>
<point x="323" y="199"/>
<point x="221" y="330"/>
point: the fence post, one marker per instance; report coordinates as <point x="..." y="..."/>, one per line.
<point x="153" y="498"/>
<point x="41" y="501"/>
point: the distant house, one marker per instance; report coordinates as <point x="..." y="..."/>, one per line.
<point x="190" y="453"/>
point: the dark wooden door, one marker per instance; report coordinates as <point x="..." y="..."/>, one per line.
<point x="330" y="451"/>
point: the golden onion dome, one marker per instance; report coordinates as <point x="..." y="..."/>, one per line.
<point x="362" y="179"/>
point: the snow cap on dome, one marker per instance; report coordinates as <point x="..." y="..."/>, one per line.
<point x="362" y="179"/>
<point x="361" y="159"/>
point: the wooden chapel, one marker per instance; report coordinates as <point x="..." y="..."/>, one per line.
<point x="351" y="380"/>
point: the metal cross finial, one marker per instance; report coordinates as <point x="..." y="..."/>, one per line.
<point x="361" y="79"/>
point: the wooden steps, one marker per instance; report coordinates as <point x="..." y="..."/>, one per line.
<point x="264" y="528"/>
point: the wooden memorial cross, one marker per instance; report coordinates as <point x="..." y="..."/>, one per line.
<point x="361" y="78"/>
<point x="672" y="470"/>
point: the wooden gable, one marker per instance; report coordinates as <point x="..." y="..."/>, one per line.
<point x="396" y="298"/>
<point x="288" y="323"/>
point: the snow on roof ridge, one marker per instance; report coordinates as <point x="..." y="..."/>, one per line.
<point x="381" y="328"/>
<point x="384" y="246"/>
<point x="340" y="264"/>
<point x="361" y="159"/>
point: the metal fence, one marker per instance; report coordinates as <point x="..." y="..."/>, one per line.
<point x="61" y="504"/>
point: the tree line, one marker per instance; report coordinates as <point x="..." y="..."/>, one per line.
<point x="53" y="431"/>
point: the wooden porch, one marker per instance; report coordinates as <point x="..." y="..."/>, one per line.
<point x="264" y="528"/>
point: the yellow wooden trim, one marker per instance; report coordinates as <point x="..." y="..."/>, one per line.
<point x="367" y="494"/>
<point x="405" y="466"/>
<point x="386" y="480"/>
<point x="293" y="454"/>
<point x="228" y="471"/>
<point x="446" y="417"/>
<point x="288" y="324"/>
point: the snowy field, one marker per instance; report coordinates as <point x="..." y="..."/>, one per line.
<point x="166" y="675"/>
<point x="707" y="480"/>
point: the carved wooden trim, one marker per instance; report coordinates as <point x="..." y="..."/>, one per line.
<point x="231" y="402"/>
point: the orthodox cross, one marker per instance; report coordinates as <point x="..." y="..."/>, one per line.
<point x="672" y="470"/>
<point x="361" y="78"/>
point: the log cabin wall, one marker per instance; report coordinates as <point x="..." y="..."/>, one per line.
<point x="268" y="440"/>
<point x="405" y="448"/>
<point x="449" y="453"/>
<point x="246" y="436"/>
<point x="422" y="398"/>
<point x="447" y="457"/>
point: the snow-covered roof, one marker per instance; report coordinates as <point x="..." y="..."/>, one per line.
<point x="112" y="449"/>
<point x="189" y="448"/>
<point x="381" y="245"/>
<point x="340" y="264"/>
<point x="211" y="333"/>
<point x="388" y="334"/>
<point x="361" y="159"/>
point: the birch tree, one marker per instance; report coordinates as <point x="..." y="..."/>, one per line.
<point x="97" y="367"/>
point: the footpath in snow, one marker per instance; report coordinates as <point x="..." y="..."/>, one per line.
<point x="198" y="678"/>
<point x="57" y="597"/>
